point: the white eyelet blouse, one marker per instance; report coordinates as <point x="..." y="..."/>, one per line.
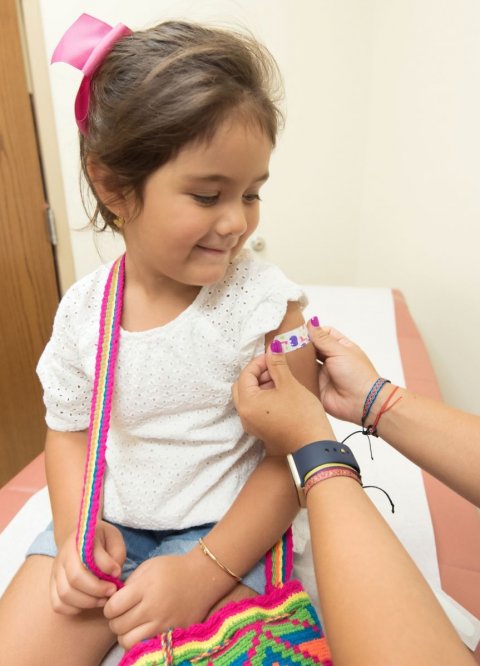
<point x="177" y="455"/>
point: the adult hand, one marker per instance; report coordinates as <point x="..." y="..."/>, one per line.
<point x="345" y="376"/>
<point x="163" y="592"/>
<point x="276" y="408"/>
<point x="72" y="587"/>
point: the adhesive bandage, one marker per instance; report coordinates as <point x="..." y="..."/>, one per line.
<point x="293" y="340"/>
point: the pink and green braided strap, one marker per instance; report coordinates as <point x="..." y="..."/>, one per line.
<point x="107" y="350"/>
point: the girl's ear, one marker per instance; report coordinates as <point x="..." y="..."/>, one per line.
<point x="101" y="179"/>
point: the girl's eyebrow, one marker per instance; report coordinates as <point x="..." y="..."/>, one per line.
<point x="220" y="178"/>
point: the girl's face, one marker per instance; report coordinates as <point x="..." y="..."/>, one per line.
<point x="200" y="207"/>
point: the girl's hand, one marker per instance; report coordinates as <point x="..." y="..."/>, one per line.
<point x="72" y="587"/>
<point x="346" y="374"/>
<point x="163" y="592"/>
<point x="276" y="408"/>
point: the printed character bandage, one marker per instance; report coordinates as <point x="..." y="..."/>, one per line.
<point x="293" y="340"/>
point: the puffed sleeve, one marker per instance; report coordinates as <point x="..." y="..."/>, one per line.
<point x="268" y="291"/>
<point x="63" y="373"/>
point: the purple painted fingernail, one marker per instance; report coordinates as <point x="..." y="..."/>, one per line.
<point x="314" y="321"/>
<point x="276" y="347"/>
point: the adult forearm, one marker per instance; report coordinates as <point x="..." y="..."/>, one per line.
<point x="442" y="440"/>
<point x="65" y="458"/>
<point x="377" y="607"/>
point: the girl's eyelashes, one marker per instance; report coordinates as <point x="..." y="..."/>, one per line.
<point x="211" y="199"/>
<point x="250" y="198"/>
<point x="206" y="199"/>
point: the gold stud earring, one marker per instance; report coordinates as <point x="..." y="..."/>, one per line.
<point x="119" y="222"/>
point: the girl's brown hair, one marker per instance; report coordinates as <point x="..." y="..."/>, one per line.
<point x="162" y="88"/>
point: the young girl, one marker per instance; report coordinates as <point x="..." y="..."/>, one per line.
<point x="177" y="127"/>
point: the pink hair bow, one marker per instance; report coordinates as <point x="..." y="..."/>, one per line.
<point x="84" y="46"/>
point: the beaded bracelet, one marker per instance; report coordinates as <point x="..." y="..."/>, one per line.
<point x="209" y="554"/>
<point x="372" y="396"/>
<point x="329" y="473"/>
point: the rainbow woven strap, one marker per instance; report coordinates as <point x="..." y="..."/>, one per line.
<point x="107" y="350"/>
<point x="279" y="628"/>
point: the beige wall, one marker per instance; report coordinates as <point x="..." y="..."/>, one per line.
<point x="421" y="180"/>
<point x="376" y="180"/>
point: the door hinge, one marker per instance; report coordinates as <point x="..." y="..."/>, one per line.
<point x="51" y="226"/>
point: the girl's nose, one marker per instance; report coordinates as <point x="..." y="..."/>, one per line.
<point x="232" y="222"/>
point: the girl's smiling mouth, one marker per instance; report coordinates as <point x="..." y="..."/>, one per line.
<point x="214" y="250"/>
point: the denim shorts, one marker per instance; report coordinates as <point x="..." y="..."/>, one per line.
<point x="142" y="545"/>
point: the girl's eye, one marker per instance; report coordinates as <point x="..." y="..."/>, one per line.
<point x="206" y="200"/>
<point x="250" y="198"/>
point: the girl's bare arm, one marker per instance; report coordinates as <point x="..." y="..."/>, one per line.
<point x="268" y="502"/>
<point x="65" y="459"/>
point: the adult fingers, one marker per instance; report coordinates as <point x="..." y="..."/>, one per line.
<point x="248" y="383"/>
<point x="280" y="373"/>
<point x="265" y="381"/>
<point x="328" y="341"/>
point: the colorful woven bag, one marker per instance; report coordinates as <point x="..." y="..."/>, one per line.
<point x="279" y="628"/>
